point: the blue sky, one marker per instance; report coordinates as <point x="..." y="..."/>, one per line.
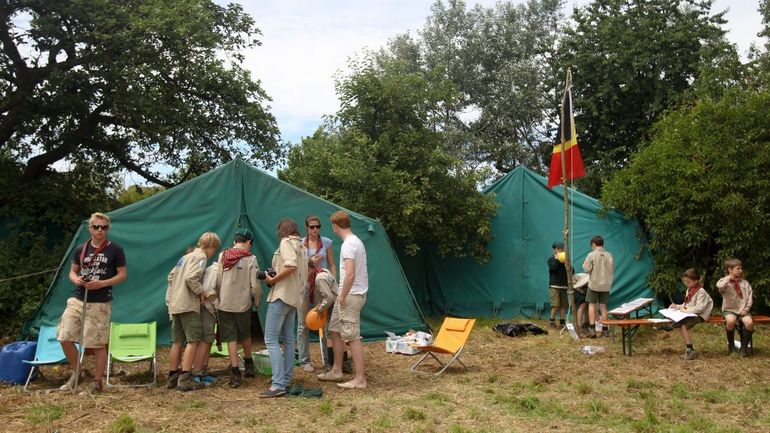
<point x="306" y="42"/>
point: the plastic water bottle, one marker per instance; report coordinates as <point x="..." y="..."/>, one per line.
<point x="591" y="350"/>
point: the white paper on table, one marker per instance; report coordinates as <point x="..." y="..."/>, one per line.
<point x="675" y="315"/>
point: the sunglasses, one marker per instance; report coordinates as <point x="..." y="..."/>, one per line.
<point x="315" y="226"/>
<point x="100" y="227"/>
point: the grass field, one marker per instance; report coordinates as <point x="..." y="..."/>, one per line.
<point x="525" y="384"/>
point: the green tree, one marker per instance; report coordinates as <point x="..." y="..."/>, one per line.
<point x="501" y="61"/>
<point x="130" y="85"/>
<point x="384" y="155"/>
<point x="631" y="61"/>
<point x="700" y="188"/>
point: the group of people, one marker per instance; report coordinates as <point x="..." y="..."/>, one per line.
<point x="599" y="265"/>
<point x="204" y="301"/>
<point x="736" y="295"/>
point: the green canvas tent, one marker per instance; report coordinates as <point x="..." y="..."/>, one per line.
<point x="514" y="283"/>
<point x="156" y="231"/>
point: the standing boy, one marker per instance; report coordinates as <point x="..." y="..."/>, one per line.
<point x="345" y="323"/>
<point x="240" y="291"/>
<point x="185" y="285"/>
<point x="736" y="305"/>
<point x="557" y="285"/>
<point x="599" y="265"/>
<point x="97" y="265"/>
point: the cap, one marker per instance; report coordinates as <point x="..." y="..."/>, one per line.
<point x="245" y="233"/>
<point x="558" y="244"/>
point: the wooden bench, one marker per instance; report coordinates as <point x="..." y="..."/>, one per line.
<point x="628" y="327"/>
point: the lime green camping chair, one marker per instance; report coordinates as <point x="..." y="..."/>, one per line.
<point x="132" y="342"/>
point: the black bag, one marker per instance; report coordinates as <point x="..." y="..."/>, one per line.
<point x="518" y="329"/>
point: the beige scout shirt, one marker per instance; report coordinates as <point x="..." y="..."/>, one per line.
<point x="700" y="304"/>
<point x="325" y="290"/>
<point x="599" y="266"/>
<point x="239" y="283"/>
<point x="212" y="279"/>
<point x="730" y="300"/>
<point x="291" y="253"/>
<point x="185" y="283"/>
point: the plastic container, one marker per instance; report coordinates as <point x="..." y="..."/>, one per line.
<point x="592" y="350"/>
<point x="12" y="369"/>
<point x="262" y="363"/>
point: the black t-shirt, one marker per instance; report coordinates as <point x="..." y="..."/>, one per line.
<point x="104" y="267"/>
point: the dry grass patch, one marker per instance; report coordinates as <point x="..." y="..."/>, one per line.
<point x="537" y="383"/>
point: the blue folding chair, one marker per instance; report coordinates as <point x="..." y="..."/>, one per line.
<point x="48" y="352"/>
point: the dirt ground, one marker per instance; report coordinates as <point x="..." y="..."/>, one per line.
<point x="523" y="384"/>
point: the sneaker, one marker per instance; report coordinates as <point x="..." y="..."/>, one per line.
<point x="172" y="380"/>
<point x="689" y="354"/>
<point x="69" y="385"/>
<point x="235" y="381"/>
<point x="186" y="383"/>
<point x="271" y="393"/>
<point x="308" y="368"/>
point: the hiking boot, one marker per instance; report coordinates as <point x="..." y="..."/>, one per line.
<point x="591" y="332"/>
<point x="552" y="324"/>
<point x="689" y="354"/>
<point x="605" y="332"/>
<point x="172" y="379"/>
<point x="235" y="379"/>
<point x="731" y="341"/>
<point x="186" y="383"/>
<point x="96" y="387"/>
<point x="69" y="385"/>
<point x="248" y="367"/>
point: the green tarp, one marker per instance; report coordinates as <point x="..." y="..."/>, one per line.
<point x="515" y="282"/>
<point x="156" y="231"/>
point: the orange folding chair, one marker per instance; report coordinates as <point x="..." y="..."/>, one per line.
<point x="450" y="340"/>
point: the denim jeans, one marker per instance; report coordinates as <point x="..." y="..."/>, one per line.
<point x="279" y="324"/>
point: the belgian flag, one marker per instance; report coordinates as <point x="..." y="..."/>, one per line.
<point x="573" y="160"/>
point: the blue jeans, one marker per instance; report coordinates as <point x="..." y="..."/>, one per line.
<point x="279" y="324"/>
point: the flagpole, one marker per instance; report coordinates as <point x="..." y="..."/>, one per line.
<point x="567" y="258"/>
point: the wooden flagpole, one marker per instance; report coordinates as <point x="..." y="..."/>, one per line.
<point x="567" y="260"/>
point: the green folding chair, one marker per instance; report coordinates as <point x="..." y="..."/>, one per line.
<point x="132" y="342"/>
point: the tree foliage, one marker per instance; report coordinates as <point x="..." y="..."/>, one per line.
<point x="130" y="85"/>
<point x="631" y="61"/>
<point x="384" y="155"/>
<point x="501" y="61"/>
<point x="701" y="189"/>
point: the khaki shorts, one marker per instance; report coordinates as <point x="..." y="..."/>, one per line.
<point x="558" y="297"/>
<point x="346" y="320"/>
<point x="597" y="297"/>
<point x="688" y="322"/>
<point x="97" y="326"/>
<point x="209" y="325"/>
<point x="186" y="327"/>
<point x="234" y="326"/>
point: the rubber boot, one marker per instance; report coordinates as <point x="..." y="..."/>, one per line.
<point x="730" y="340"/>
<point x="745" y="338"/>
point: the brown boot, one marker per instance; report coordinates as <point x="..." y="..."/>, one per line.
<point x="186" y="383"/>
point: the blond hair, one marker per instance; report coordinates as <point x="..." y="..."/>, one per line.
<point x="98" y="215"/>
<point x="209" y="240"/>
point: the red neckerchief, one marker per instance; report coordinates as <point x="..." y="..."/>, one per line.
<point x="97" y="250"/>
<point x="691" y="292"/>
<point x="738" y="287"/>
<point x="231" y="256"/>
<point x="318" y="248"/>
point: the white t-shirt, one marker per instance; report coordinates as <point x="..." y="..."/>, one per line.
<point x="353" y="248"/>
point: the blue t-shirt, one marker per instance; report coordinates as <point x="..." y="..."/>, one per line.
<point x="326" y="243"/>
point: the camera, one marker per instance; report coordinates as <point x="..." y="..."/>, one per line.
<point x="261" y="275"/>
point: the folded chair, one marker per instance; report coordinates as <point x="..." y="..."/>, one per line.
<point x="47" y="352"/>
<point x="450" y="340"/>
<point x="132" y="342"/>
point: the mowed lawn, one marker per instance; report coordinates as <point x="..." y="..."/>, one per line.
<point x="525" y="384"/>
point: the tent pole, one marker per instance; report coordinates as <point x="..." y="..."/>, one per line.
<point x="567" y="261"/>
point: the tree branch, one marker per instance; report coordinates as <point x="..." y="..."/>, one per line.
<point x="131" y="165"/>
